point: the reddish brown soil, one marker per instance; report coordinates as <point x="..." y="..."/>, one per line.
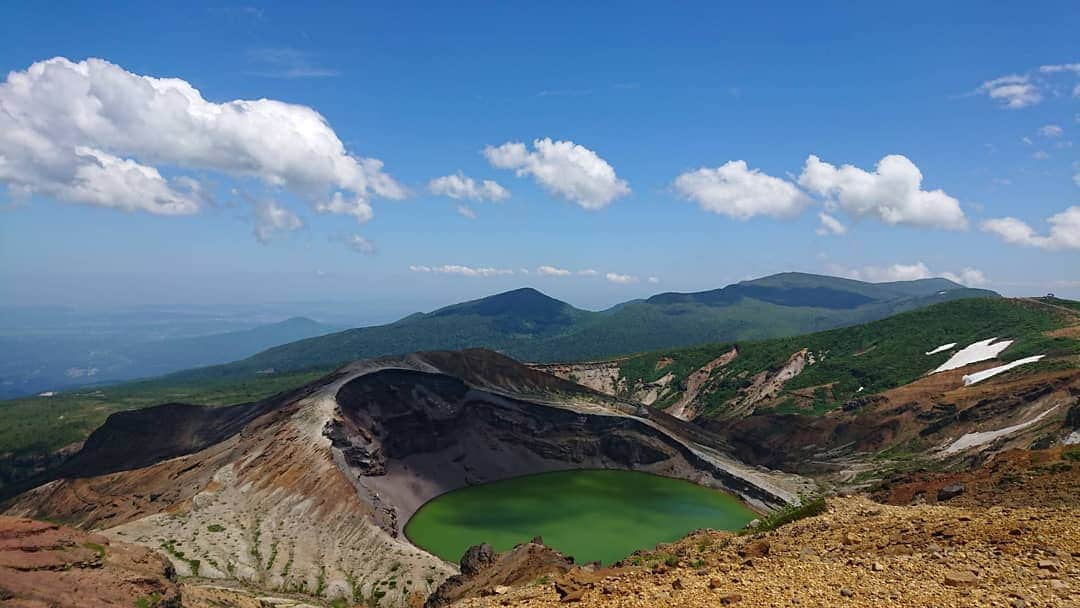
<point x="47" y="565"/>
<point x="1016" y="478"/>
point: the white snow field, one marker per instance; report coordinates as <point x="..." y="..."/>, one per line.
<point x="973" y="353"/>
<point x="942" y="348"/>
<point x="970" y="379"/>
<point x="971" y="440"/>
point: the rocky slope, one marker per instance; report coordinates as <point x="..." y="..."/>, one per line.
<point x="1008" y="549"/>
<point x="307" y="492"/>
<point x="485" y="572"/>
<point x="44" y="565"/>
<point x="305" y="495"/>
<point x="849" y="405"/>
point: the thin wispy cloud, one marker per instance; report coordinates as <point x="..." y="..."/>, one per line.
<point x="461" y="270"/>
<point x="241" y="12"/>
<point x="552" y="271"/>
<point x="288" y="63"/>
<point x="564" y="92"/>
<point x="1017" y="91"/>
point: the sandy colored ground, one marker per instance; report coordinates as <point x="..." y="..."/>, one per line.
<point x="860" y="553"/>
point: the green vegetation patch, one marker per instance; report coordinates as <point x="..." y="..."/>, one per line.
<point x="149" y="601"/>
<point x="35" y="427"/>
<point x="806" y="507"/>
<point x="866" y="359"/>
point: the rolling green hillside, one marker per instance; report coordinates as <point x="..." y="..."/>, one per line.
<point x="530" y="326"/>
<point x="873" y="357"/>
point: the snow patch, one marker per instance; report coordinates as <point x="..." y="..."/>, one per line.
<point x="942" y="348"/>
<point x="979" y="351"/>
<point x="1073" y="438"/>
<point x="971" y="440"/>
<point x="970" y="379"/>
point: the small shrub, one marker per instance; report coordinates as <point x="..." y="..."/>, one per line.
<point x="806" y="507"/>
<point x="215" y="528"/>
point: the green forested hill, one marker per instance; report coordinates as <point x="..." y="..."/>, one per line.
<point x="868" y="358"/>
<point x="530" y="326"/>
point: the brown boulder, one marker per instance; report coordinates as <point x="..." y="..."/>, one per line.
<point x="757" y="548"/>
<point x="960" y="578"/>
<point x="483" y="570"/>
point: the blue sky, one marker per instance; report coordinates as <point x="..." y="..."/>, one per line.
<point x="647" y="92"/>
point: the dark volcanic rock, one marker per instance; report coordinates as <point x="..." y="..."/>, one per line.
<point x="393" y="426"/>
<point x="476" y="558"/>
<point x="950" y="492"/>
<point x="861" y="402"/>
<point x="483" y="570"/>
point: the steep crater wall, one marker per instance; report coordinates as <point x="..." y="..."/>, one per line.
<point x="407" y="436"/>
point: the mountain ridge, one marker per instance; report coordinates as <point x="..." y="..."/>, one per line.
<point x="529" y="325"/>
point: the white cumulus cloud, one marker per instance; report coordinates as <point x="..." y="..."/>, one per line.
<point x="588" y="272"/>
<point x="653" y="280"/>
<point x="970" y="277"/>
<point x="552" y="271"/>
<point x="563" y="168"/>
<point x="466" y="211"/>
<point x="358" y="207"/>
<point x="461" y="187"/>
<point x="1064" y="231"/>
<point x="621" y="279"/>
<point x="892" y="193"/>
<point x="91" y="132"/>
<point x="735" y="190"/>
<point x="271" y="219"/>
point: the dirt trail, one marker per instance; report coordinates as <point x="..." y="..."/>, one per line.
<point x="1073" y="313"/>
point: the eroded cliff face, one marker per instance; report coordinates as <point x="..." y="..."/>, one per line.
<point x="308" y="492"/>
<point x="408" y="436"/>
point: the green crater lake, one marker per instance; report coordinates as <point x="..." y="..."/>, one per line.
<point x="592" y="515"/>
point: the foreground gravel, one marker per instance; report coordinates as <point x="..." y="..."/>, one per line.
<point x="859" y="553"/>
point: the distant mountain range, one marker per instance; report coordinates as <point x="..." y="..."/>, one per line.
<point x="531" y="326"/>
<point x="56" y="362"/>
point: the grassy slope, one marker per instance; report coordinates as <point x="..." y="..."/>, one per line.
<point x="876" y="356"/>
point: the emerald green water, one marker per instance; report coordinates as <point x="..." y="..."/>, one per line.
<point x="592" y="515"/>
